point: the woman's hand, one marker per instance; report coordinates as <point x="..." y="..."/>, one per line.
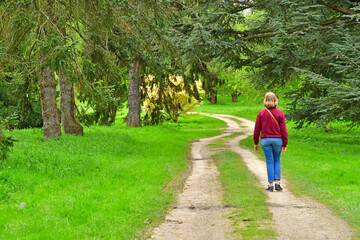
<point x="283" y="149"/>
<point x="256" y="148"/>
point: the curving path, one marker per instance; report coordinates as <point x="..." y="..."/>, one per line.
<point x="200" y="215"/>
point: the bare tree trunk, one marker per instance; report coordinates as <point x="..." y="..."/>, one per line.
<point x="213" y="99"/>
<point x="49" y="109"/>
<point x="68" y="121"/>
<point x="234" y="97"/>
<point x="134" y="96"/>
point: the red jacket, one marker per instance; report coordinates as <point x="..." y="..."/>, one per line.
<point x="269" y="127"/>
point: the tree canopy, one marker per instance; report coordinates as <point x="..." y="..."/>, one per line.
<point x="313" y="44"/>
<point x="96" y="51"/>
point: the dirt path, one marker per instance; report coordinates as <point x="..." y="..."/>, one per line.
<point x="294" y="217"/>
<point x="199" y="214"/>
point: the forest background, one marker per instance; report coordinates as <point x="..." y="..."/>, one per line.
<point x="107" y="55"/>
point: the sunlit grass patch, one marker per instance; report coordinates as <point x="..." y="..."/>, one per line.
<point x="250" y="214"/>
<point x="244" y="107"/>
<point x="219" y="142"/>
<point x="112" y="183"/>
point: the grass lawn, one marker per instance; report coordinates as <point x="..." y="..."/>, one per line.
<point x="244" y="108"/>
<point x="251" y="217"/>
<point x="324" y="165"/>
<point x="112" y="183"/>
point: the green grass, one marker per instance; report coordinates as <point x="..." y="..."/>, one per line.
<point x="112" y="183"/>
<point x="324" y="165"/>
<point x="244" y="107"/>
<point x="251" y="216"/>
<point x="219" y="142"/>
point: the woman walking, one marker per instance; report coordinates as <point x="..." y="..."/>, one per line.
<point x="270" y="122"/>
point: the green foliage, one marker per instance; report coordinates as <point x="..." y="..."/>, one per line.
<point x="340" y="96"/>
<point x="20" y="105"/>
<point x="204" y="36"/>
<point x="5" y="144"/>
<point x="101" y="102"/>
<point x="248" y="108"/>
<point x="166" y="102"/>
<point x="26" y="36"/>
<point x="123" y="31"/>
<point x="101" y="89"/>
<point x="239" y="82"/>
<point x="313" y="44"/>
<point x="19" y="100"/>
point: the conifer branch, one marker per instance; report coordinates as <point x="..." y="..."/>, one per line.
<point x="341" y="9"/>
<point x="261" y="36"/>
<point x="324" y="24"/>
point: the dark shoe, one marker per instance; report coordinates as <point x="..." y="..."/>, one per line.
<point x="278" y="187"/>
<point x="270" y="188"/>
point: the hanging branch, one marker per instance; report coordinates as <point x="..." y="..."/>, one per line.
<point x="341" y="9"/>
<point x="324" y="24"/>
<point x="261" y="36"/>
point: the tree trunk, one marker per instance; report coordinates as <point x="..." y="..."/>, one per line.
<point x="49" y="109"/>
<point x="68" y="121"/>
<point x="134" y="96"/>
<point x="213" y="99"/>
<point x="234" y="97"/>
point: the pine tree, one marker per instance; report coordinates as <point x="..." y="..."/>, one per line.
<point x="311" y="46"/>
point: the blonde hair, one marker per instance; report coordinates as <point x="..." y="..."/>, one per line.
<point x="270" y="100"/>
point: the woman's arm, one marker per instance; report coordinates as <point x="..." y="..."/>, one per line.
<point x="284" y="132"/>
<point x="257" y="130"/>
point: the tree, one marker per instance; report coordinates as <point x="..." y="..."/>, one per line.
<point x="200" y="43"/>
<point x="58" y="46"/>
<point x="340" y="98"/>
<point x="234" y="84"/>
<point x="148" y="27"/>
<point x="20" y="105"/>
<point x="40" y="35"/>
<point x="50" y="112"/>
<point x="163" y="103"/>
<point x="305" y="45"/>
<point x="68" y="121"/>
<point x="133" y="119"/>
<point x="135" y="32"/>
<point x="314" y="42"/>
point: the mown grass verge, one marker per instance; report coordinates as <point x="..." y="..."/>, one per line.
<point x="324" y="165"/>
<point x="112" y="183"/>
<point x="244" y="107"/>
<point x="251" y="216"/>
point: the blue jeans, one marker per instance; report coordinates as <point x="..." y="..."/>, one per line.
<point x="272" y="150"/>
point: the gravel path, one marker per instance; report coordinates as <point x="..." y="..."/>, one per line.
<point x="200" y="215"/>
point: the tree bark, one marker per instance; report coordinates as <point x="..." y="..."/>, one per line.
<point x="50" y="114"/>
<point x="134" y="95"/>
<point x="234" y="97"/>
<point x="213" y="97"/>
<point x="68" y="121"/>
